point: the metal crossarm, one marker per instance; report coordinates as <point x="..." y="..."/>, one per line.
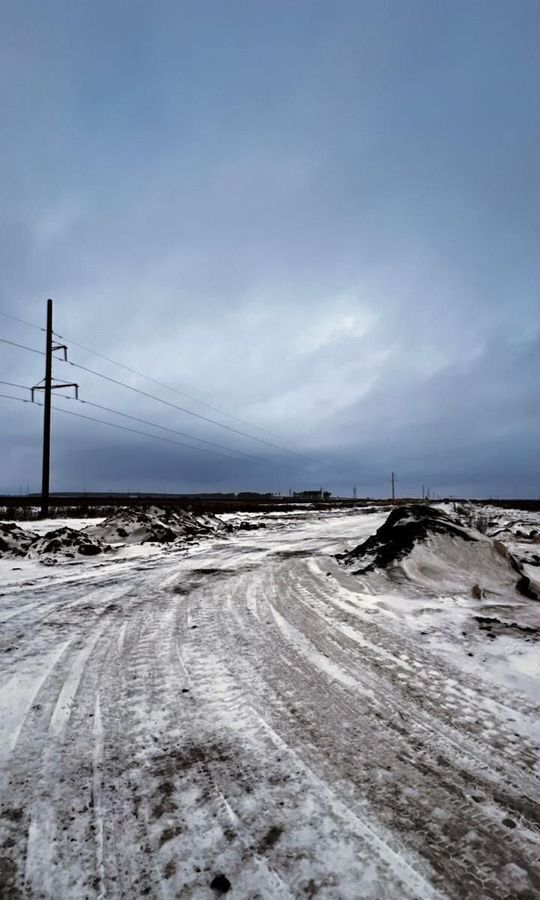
<point x="54" y="387"/>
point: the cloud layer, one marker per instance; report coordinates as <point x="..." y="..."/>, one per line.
<point x="320" y="218"/>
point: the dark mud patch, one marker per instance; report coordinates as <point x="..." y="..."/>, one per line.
<point x="169" y="834"/>
<point x="13" y="815"/>
<point x="163" y="794"/>
<point x="198" y="577"/>
<point x="182" y="759"/>
<point x="209" y="572"/>
<point x="10" y="888"/>
<point x="170" y="869"/>
<point x="183" y="589"/>
<point x="496" y="626"/>
<point x="220" y="884"/>
<point x="271" y="838"/>
<point x="525" y="587"/>
<point x="292" y="554"/>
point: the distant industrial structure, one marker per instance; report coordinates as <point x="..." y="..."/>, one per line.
<point x="312" y="495"/>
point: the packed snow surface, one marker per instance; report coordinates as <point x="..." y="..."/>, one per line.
<point x="248" y="715"/>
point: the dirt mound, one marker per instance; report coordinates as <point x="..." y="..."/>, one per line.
<point x="65" y="543"/>
<point x="14" y="541"/>
<point x="246" y="525"/>
<point x="136" y="525"/>
<point x="428" y="549"/>
<point x="405" y="527"/>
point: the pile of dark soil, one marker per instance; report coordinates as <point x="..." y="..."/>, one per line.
<point x="14" y="541"/>
<point x="141" y="525"/>
<point x="245" y="525"/>
<point x="496" y="626"/>
<point x="137" y="525"/>
<point x="419" y="526"/>
<point x="65" y="543"/>
<point x="404" y="527"/>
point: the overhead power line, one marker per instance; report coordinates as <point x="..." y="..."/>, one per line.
<point x="169" y="387"/>
<point x="189" y="412"/>
<point x="238" y="454"/>
<point x="300" y="455"/>
<point x="140" y="374"/>
<point x="24" y="387"/>
<point x="156" y="437"/>
<point x="229" y="451"/>
<point x="171" y="405"/>
<point x="20" y="399"/>
<point x="22" y="346"/>
<point x="148" y="434"/>
<point x="22" y="321"/>
<point x="130" y="387"/>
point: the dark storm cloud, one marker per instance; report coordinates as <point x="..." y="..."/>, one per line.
<point x="320" y="217"/>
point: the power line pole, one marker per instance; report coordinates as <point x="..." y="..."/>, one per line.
<point x="48" y="388"/>
<point x="393" y="485"/>
<point x="46" y="469"/>
<point x="354" y="492"/>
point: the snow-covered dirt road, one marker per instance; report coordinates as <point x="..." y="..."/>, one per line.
<point x="248" y="709"/>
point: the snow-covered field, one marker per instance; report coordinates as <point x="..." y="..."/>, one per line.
<point x="249" y="707"/>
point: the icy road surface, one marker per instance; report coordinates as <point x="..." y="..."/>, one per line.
<point x="246" y="709"/>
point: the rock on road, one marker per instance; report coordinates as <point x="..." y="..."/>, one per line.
<point x="243" y="710"/>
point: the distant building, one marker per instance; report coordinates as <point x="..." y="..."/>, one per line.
<point x="312" y="496"/>
<point x="253" y="495"/>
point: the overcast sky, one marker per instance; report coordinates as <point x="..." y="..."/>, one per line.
<point x="319" y="217"/>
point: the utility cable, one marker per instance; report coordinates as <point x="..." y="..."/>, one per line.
<point x="12" y="384"/>
<point x="173" y="405"/>
<point x="189" y="412"/>
<point x="20" y="399"/>
<point x="147" y="377"/>
<point x="22" y="346"/>
<point x="229" y="450"/>
<point x="168" y="387"/>
<point x="233" y="454"/>
<point x="129" y="387"/>
<point x="156" y="437"/>
<point x="22" y="321"/>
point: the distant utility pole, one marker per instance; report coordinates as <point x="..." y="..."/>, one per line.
<point x="354" y="492"/>
<point x="48" y="387"/>
<point x="423" y="492"/>
<point x="393" y="480"/>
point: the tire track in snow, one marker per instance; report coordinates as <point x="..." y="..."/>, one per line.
<point x="371" y="666"/>
<point x="191" y="727"/>
<point x="292" y="670"/>
<point x="385" y="853"/>
<point x="40" y="762"/>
